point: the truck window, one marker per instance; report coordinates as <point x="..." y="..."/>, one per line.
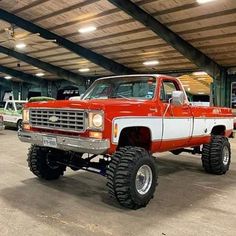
<point x="166" y="90"/>
<point x="125" y="90"/>
<point x="19" y="106"/>
<point x="124" y="87"/>
<point x="10" y="106"/>
<point x="102" y="91"/>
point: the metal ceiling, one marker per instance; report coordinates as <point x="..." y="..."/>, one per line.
<point x="120" y="39"/>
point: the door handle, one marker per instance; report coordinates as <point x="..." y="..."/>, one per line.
<point x="153" y="109"/>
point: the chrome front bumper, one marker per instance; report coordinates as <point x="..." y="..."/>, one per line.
<point x="75" y="144"/>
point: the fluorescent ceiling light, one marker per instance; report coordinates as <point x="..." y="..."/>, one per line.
<point x="84" y="70"/>
<point x="20" y="45"/>
<point x="199" y="73"/>
<point x="188" y="89"/>
<point x="87" y="29"/>
<point x="8" y="77"/>
<point x="204" y="1"/>
<point x="151" y="63"/>
<point x="201" y="93"/>
<point x="40" y="74"/>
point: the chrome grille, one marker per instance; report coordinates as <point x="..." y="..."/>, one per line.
<point x="65" y="120"/>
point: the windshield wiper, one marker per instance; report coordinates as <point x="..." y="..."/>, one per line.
<point x="121" y="96"/>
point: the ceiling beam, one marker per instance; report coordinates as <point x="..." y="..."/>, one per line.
<point x="94" y="57"/>
<point x="28" y="78"/>
<point x="186" y="49"/>
<point x="61" y="73"/>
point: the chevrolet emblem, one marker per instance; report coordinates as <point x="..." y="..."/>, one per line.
<point x="53" y="119"/>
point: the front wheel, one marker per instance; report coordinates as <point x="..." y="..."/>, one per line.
<point x="40" y="162"/>
<point x="216" y="155"/>
<point x="132" y="177"/>
<point x="19" y="124"/>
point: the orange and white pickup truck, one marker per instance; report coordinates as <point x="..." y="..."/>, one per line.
<point x="124" y="120"/>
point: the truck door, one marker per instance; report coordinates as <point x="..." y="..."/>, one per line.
<point x="177" y="119"/>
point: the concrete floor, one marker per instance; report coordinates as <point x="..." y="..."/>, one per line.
<point x="187" y="201"/>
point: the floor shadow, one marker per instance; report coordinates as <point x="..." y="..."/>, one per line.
<point x="91" y="187"/>
<point x="182" y="184"/>
<point x="11" y="128"/>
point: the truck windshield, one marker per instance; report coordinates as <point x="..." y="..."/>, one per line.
<point x="19" y="106"/>
<point x="122" y="87"/>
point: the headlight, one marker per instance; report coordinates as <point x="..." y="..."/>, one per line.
<point x="95" y="120"/>
<point x="25" y="115"/>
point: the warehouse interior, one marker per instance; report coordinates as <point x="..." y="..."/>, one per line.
<point x="57" y="49"/>
<point x="55" y="38"/>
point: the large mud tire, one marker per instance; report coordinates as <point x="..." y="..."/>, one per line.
<point x="132" y="177"/>
<point x="41" y="166"/>
<point x="216" y="155"/>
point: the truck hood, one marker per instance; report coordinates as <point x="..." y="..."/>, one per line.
<point x="94" y="104"/>
<point x="111" y="107"/>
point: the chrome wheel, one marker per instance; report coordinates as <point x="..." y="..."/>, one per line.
<point x="143" y="179"/>
<point x="225" y="155"/>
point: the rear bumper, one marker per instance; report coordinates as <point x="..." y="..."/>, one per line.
<point x="75" y="144"/>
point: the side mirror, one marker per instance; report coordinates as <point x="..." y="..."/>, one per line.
<point x="177" y="98"/>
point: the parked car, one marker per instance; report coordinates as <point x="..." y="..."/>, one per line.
<point x="124" y="120"/>
<point x="1" y="123"/>
<point x="12" y="113"/>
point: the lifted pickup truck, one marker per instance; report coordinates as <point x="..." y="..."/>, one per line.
<point x="124" y="120"/>
<point x="12" y="113"/>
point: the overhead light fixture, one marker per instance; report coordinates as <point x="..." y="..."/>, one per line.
<point x="40" y="74"/>
<point x="87" y="29"/>
<point x="201" y="93"/>
<point x="20" y="45"/>
<point x="204" y="1"/>
<point x="151" y="63"/>
<point x="8" y="77"/>
<point x="84" y="70"/>
<point x="188" y="89"/>
<point x="199" y="73"/>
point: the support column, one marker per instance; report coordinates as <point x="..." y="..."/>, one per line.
<point x="221" y="89"/>
<point x="1" y="92"/>
<point x="44" y="89"/>
<point x="15" y="90"/>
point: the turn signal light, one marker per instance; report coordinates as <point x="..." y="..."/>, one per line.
<point x="26" y="127"/>
<point x="116" y="130"/>
<point x="97" y="135"/>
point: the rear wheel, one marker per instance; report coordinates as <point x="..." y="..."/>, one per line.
<point x="40" y="162"/>
<point x="216" y="155"/>
<point x="132" y="177"/>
